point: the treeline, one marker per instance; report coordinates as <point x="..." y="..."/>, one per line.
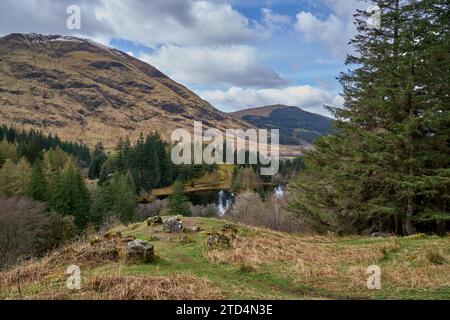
<point x="248" y="177"/>
<point x="387" y="167"/>
<point x="148" y="162"/>
<point x="55" y="180"/>
<point x="31" y="144"/>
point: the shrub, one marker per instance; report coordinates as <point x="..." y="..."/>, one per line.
<point x="147" y="210"/>
<point x="209" y="211"/>
<point x="62" y="229"/>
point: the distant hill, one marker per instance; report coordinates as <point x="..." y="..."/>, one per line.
<point x="86" y="92"/>
<point x="297" y="127"/>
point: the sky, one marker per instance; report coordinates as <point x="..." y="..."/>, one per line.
<point x="234" y="54"/>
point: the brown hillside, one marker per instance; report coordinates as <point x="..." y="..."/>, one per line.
<point x="86" y="92"/>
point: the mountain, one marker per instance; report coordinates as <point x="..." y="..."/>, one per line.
<point x="86" y="92"/>
<point x="297" y="127"/>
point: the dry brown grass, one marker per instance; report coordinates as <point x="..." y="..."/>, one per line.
<point x="326" y="263"/>
<point x="176" y="287"/>
<point x="48" y="274"/>
<point x="119" y="287"/>
<point x="309" y="266"/>
<point x="54" y="264"/>
<point x="316" y="250"/>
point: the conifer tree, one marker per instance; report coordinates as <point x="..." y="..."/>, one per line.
<point x="21" y="177"/>
<point x="178" y="202"/>
<point x="7" y="151"/>
<point x="117" y="198"/>
<point x="37" y="189"/>
<point x="97" y="160"/>
<point x="70" y="195"/>
<point x="7" y="178"/>
<point x="387" y="165"/>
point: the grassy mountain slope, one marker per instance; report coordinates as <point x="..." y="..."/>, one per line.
<point x="297" y="127"/>
<point x="86" y="92"/>
<point x="261" y="264"/>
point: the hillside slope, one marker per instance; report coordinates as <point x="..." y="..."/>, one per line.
<point x="297" y="127"/>
<point x="260" y="264"/>
<point x="86" y="92"/>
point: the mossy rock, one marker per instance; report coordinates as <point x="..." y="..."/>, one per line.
<point x="139" y="251"/>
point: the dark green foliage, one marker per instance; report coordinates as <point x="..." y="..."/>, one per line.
<point x="32" y="144"/>
<point x="291" y="166"/>
<point x="37" y="189"/>
<point x="150" y="164"/>
<point x="387" y="167"/>
<point x="178" y="202"/>
<point x="98" y="159"/>
<point x="70" y="196"/>
<point x="61" y="230"/>
<point x="116" y="198"/>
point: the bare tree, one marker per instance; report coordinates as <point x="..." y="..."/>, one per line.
<point x="23" y="229"/>
<point x="251" y="210"/>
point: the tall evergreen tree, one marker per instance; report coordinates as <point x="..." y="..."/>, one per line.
<point x="98" y="158"/>
<point x="37" y="189"/>
<point x="117" y="198"/>
<point x="387" y="166"/>
<point x="70" y="195"/>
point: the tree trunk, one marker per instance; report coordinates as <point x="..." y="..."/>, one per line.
<point x="396" y="226"/>
<point x="441" y="228"/>
<point x="409" y="228"/>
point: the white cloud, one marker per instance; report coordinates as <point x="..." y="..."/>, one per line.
<point x="149" y="23"/>
<point x="274" y="21"/>
<point x="306" y="97"/>
<point x="235" y="65"/>
<point x="333" y="32"/>
<point x="177" y="22"/>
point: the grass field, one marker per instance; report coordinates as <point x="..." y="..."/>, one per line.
<point x="260" y="264"/>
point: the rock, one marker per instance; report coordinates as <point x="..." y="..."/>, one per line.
<point x="154" y="220"/>
<point x="218" y="240"/>
<point x="140" y="251"/>
<point x="193" y="229"/>
<point x="173" y="225"/>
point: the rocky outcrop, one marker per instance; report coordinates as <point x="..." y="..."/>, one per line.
<point x="173" y="225"/>
<point x="154" y="221"/>
<point x="139" y="251"/>
<point x="219" y="240"/>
